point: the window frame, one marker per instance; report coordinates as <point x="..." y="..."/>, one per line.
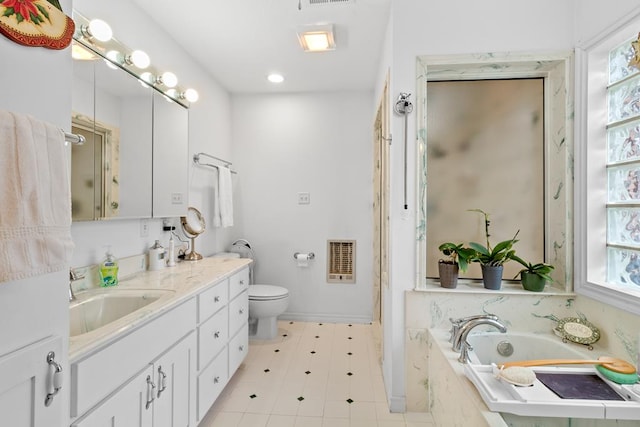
<point x="591" y="193"/>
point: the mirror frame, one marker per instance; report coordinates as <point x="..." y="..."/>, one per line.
<point x="557" y="71"/>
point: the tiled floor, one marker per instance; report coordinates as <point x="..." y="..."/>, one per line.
<point x="312" y="375"/>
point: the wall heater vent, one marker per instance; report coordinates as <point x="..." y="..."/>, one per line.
<point x="341" y="260"/>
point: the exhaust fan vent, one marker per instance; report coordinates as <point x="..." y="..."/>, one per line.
<point x="320" y="2"/>
<point x="341" y="256"/>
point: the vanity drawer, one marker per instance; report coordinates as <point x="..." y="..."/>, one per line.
<point x="238" y="282"/>
<point x="212" y="337"/>
<point x="211" y="382"/>
<point x="212" y="300"/>
<point x="238" y="348"/>
<point x="238" y="312"/>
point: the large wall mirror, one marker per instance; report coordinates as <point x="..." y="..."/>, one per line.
<point x="135" y="162"/>
<point x="540" y="203"/>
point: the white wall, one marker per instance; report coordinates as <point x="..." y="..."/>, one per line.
<point x="320" y="143"/>
<point x="209" y="131"/>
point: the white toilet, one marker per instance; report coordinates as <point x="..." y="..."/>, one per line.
<point x="266" y="303"/>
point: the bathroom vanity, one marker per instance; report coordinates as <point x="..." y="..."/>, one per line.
<point x="166" y="362"/>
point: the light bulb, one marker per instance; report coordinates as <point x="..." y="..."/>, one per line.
<point x="147" y="77"/>
<point x="113" y="57"/>
<point x="168" y="79"/>
<point x="139" y="58"/>
<point x="100" y="30"/>
<point x="173" y="93"/>
<point x="191" y="95"/>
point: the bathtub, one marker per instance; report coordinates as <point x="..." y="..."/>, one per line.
<point x="527" y="403"/>
<point x="494" y="347"/>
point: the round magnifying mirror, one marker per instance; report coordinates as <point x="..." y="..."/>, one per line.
<point x="193" y="225"/>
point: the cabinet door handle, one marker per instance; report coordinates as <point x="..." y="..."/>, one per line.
<point x="241" y="348"/>
<point x="241" y="311"/>
<point x="151" y="387"/>
<point x="242" y="282"/>
<point x="216" y="380"/>
<point x="56" y="378"/>
<point x="216" y="334"/>
<point x="162" y="381"/>
<point x="216" y="299"/>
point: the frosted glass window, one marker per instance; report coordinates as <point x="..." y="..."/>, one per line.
<point x="623" y="169"/>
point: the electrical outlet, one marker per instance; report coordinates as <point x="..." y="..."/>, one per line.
<point x="304" y="198"/>
<point x="144" y="227"/>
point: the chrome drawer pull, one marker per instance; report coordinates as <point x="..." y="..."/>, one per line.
<point x="241" y="311"/>
<point x="242" y="281"/>
<point x="162" y="381"/>
<point x="216" y="380"/>
<point x="241" y="348"/>
<point x="56" y="378"/>
<point x="151" y="387"/>
<point x="216" y="299"/>
<point x="216" y="334"/>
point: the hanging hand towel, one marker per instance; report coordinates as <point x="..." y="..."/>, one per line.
<point x="225" y="196"/>
<point x="35" y="198"/>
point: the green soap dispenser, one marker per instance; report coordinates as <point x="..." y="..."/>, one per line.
<point x="109" y="270"/>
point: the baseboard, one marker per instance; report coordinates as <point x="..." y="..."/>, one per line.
<point x="397" y="404"/>
<point x="327" y="318"/>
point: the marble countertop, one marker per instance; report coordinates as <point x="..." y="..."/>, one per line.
<point x="185" y="280"/>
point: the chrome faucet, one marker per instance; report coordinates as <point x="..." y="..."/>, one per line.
<point x="457" y="323"/>
<point x="460" y="343"/>
<point x="73" y="276"/>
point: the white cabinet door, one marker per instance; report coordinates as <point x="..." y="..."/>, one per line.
<point x="130" y="406"/>
<point x="175" y="394"/>
<point x="26" y="380"/>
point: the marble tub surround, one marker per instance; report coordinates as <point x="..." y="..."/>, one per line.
<point x="454" y="401"/>
<point x="185" y="280"/>
<point x="519" y="310"/>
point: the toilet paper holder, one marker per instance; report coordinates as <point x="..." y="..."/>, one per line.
<point x="310" y="255"/>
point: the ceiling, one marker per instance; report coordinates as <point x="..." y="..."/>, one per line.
<point x="240" y="42"/>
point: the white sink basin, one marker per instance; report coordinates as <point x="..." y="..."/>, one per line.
<point x="96" y="308"/>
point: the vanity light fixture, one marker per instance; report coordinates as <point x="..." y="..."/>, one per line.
<point x="275" y="78"/>
<point x="317" y="38"/>
<point x="79" y="53"/>
<point x="97" y="29"/>
<point x="94" y="40"/>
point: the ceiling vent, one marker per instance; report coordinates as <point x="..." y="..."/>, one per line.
<point x="321" y="2"/>
<point x="341" y="256"/>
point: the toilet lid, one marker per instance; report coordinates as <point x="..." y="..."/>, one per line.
<point x="267" y="292"/>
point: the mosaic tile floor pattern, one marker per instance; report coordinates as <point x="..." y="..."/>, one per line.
<point x="311" y="375"/>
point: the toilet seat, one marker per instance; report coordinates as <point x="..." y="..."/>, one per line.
<point x="267" y="292"/>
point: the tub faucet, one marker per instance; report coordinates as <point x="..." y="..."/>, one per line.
<point x="457" y="323"/>
<point x="461" y="344"/>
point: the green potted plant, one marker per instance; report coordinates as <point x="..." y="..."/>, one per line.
<point x="533" y="277"/>
<point x="458" y="260"/>
<point x="492" y="258"/>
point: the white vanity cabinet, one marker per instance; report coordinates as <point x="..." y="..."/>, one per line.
<point x="27" y="379"/>
<point x="148" y="372"/>
<point x="223" y="337"/>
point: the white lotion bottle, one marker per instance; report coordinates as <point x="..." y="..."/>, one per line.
<point x="171" y="259"/>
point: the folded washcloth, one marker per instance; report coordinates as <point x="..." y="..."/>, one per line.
<point x="224" y="202"/>
<point x="35" y="198"/>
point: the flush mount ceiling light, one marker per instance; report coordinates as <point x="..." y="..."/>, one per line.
<point x="316" y="38"/>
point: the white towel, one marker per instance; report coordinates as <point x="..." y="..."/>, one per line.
<point x="35" y="198"/>
<point x="224" y="199"/>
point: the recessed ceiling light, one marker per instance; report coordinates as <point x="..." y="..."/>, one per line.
<point x="316" y="38"/>
<point x="275" y="78"/>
